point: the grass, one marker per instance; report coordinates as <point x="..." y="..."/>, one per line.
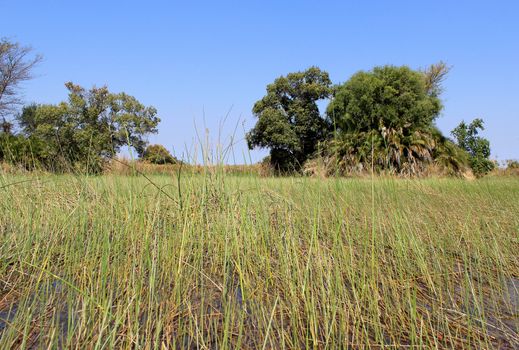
<point x="248" y="262"/>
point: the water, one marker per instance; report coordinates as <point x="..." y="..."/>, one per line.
<point x="48" y="300"/>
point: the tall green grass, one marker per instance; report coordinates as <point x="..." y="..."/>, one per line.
<point x="248" y="262"/>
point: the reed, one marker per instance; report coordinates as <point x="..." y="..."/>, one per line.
<point x="218" y="261"/>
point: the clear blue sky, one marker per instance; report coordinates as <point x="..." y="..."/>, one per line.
<point x="194" y="58"/>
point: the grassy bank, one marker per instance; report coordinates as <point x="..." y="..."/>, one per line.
<point x="228" y="262"/>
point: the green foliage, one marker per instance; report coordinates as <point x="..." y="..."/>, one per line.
<point x="450" y="158"/>
<point x="289" y="122"/>
<point x="158" y="154"/>
<point x="478" y="148"/>
<point x="91" y="127"/>
<point x="385" y="98"/>
<point x="384" y="119"/>
<point x="26" y="152"/>
<point x="12" y="147"/>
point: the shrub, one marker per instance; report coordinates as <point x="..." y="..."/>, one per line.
<point x="158" y="154"/>
<point x="512" y="164"/>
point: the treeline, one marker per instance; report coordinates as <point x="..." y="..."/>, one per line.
<point x="80" y="134"/>
<point x="382" y="120"/>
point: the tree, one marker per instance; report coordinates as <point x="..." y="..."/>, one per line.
<point x="158" y="154"/>
<point x="289" y="122"/>
<point x="88" y="129"/>
<point x="16" y="65"/>
<point x="385" y="118"/>
<point x="477" y="147"/>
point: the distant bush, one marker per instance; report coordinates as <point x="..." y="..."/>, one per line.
<point x="158" y="154"/>
<point x="512" y="164"/>
<point x="122" y="166"/>
<point x="512" y="168"/>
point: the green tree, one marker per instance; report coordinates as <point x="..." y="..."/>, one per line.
<point x="385" y="118"/>
<point x="289" y="122"/>
<point x="88" y="129"/>
<point x="158" y="154"/>
<point x="387" y="97"/>
<point x="478" y="148"/>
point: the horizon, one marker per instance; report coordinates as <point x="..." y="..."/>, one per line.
<point x="197" y="65"/>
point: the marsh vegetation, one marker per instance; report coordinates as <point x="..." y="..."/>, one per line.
<point x="230" y="261"/>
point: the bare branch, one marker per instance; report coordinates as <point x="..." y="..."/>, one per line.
<point x="434" y="76"/>
<point x="16" y="65"/>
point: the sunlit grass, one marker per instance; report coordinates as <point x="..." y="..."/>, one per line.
<point x="250" y="262"/>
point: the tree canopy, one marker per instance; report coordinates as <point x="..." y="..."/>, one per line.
<point x="384" y="118"/>
<point x="86" y="130"/>
<point x="289" y="122"/>
<point x="387" y="97"/>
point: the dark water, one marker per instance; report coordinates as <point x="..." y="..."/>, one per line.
<point x="49" y="300"/>
<point x="7" y="316"/>
<point x="501" y="317"/>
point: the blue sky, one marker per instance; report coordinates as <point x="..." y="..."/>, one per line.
<point x="196" y="60"/>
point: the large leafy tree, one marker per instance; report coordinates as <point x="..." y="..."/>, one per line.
<point x="384" y="118"/>
<point x="289" y="122"/>
<point x="478" y="148"/>
<point x="88" y="129"/>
